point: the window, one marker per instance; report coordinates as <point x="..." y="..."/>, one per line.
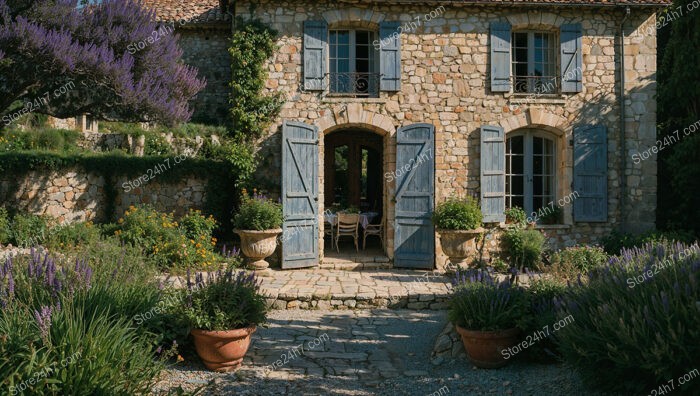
<point x="353" y="63"/>
<point x="530" y="170"/>
<point x="534" y="62"/>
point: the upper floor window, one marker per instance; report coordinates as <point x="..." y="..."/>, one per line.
<point x="534" y="62"/>
<point x="353" y="63"/>
<point x="530" y="171"/>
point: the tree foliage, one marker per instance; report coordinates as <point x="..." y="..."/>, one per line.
<point x="679" y="107"/>
<point x="116" y="60"/>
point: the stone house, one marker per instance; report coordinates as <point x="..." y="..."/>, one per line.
<point x="395" y="106"/>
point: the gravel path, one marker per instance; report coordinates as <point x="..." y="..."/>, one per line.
<point x="364" y="352"/>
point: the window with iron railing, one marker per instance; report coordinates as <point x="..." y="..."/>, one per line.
<point x="353" y="63"/>
<point x="534" y="68"/>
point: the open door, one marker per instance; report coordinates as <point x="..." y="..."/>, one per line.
<point x="414" y="238"/>
<point x="299" y="195"/>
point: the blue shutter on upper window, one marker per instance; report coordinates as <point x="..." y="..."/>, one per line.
<point x="500" y="57"/>
<point x="390" y="56"/>
<point x="590" y="173"/>
<point x="493" y="173"/>
<point x="315" y="54"/>
<point x="571" y="58"/>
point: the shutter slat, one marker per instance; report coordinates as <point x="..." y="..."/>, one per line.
<point x="591" y="173"/>
<point x="493" y="174"/>
<point x="315" y="54"/>
<point x="390" y="56"/>
<point x="571" y="58"/>
<point x="500" y="57"/>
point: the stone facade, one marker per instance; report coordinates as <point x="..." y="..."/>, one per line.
<point x="445" y="82"/>
<point x="206" y="48"/>
<point x="73" y="195"/>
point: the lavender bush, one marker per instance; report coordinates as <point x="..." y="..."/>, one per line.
<point x="630" y="336"/>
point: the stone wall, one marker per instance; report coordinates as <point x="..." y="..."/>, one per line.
<point x="445" y="81"/>
<point x="73" y="195"/>
<point x="206" y="48"/>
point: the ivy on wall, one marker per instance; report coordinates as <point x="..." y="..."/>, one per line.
<point x="252" y="44"/>
<point x="219" y="175"/>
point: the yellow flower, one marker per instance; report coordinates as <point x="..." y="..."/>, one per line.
<point x="180" y="358"/>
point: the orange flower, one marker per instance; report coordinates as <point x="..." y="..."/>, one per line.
<point x="180" y="358"/>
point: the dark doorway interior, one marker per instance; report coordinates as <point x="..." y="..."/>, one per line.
<point x="353" y="168"/>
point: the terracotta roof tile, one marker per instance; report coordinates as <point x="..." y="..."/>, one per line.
<point x="189" y="11"/>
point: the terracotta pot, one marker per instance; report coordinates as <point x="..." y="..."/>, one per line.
<point x="484" y="348"/>
<point x="222" y="351"/>
<point x="258" y="245"/>
<point x="459" y="245"/>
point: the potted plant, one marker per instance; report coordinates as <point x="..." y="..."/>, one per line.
<point x="258" y="223"/>
<point x="515" y="215"/>
<point x="222" y="313"/>
<point x="488" y="316"/>
<point x="552" y="216"/>
<point x="458" y="223"/>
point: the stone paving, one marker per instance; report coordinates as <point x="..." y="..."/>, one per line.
<point x="363" y="352"/>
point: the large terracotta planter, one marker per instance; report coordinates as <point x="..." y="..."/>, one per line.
<point x="222" y="351"/>
<point x="258" y="245"/>
<point x="484" y="348"/>
<point x="459" y="245"/>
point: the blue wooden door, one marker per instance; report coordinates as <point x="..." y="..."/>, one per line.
<point x="414" y="238"/>
<point x="299" y="195"/>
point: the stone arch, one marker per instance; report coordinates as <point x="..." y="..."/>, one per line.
<point x="536" y="20"/>
<point x="536" y="118"/>
<point x="354" y="17"/>
<point x="354" y="115"/>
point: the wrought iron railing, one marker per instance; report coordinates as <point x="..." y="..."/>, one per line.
<point x="364" y="85"/>
<point x="541" y="85"/>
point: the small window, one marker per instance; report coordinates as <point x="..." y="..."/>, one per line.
<point x="353" y="63"/>
<point x="530" y="171"/>
<point x="534" y="62"/>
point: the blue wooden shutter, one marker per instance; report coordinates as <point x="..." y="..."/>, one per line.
<point x="390" y="56"/>
<point x="590" y="173"/>
<point x="315" y="54"/>
<point x="414" y="236"/>
<point x="299" y="195"/>
<point x="571" y="58"/>
<point x="500" y="57"/>
<point x="493" y="173"/>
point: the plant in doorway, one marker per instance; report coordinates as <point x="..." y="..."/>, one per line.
<point x="488" y="316"/>
<point x="458" y="222"/>
<point x="222" y="313"/>
<point x="258" y="223"/>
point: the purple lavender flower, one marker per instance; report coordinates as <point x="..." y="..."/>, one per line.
<point x="43" y="320"/>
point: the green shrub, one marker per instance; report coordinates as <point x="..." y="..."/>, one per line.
<point x="524" y="247"/>
<point x="225" y="301"/>
<point x="196" y="226"/>
<point x="515" y="215"/>
<point x="544" y="296"/>
<point x="49" y="139"/>
<point x="72" y="235"/>
<point x="28" y="230"/>
<point x="616" y="240"/>
<point x="5" y="231"/>
<point x="572" y="261"/>
<point x="636" y="320"/>
<point x="156" y="145"/>
<point x="458" y="214"/>
<point x="258" y="213"/>
<point x="478" y="302"/>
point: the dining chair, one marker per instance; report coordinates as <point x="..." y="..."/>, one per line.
<point x="373" y="230"/>
<point x="328" y="229"/>
<point x="348" y="225"/>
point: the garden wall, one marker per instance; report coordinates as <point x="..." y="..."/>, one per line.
<point x="74" y="195"/>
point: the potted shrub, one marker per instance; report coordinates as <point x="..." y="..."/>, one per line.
<point x="515" y="215"/>
<point x="258" y="223"/>
<point x="222" y="313"/>
<point x="458" y="223"/>
<point x="488" y="316"/>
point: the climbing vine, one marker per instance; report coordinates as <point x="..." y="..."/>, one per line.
<point x="252" y="44"/>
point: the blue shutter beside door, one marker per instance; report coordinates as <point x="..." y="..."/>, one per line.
<point x="315" y="54"/>
<point x="571" y="58"/>
<point x="390" y="56"/>
<point x="493" y="173"/>
<point x="299" y="195"/>
<point x="500" y="57"/>
<point x="591" y="173"/>
<point x="414" y="236"/>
